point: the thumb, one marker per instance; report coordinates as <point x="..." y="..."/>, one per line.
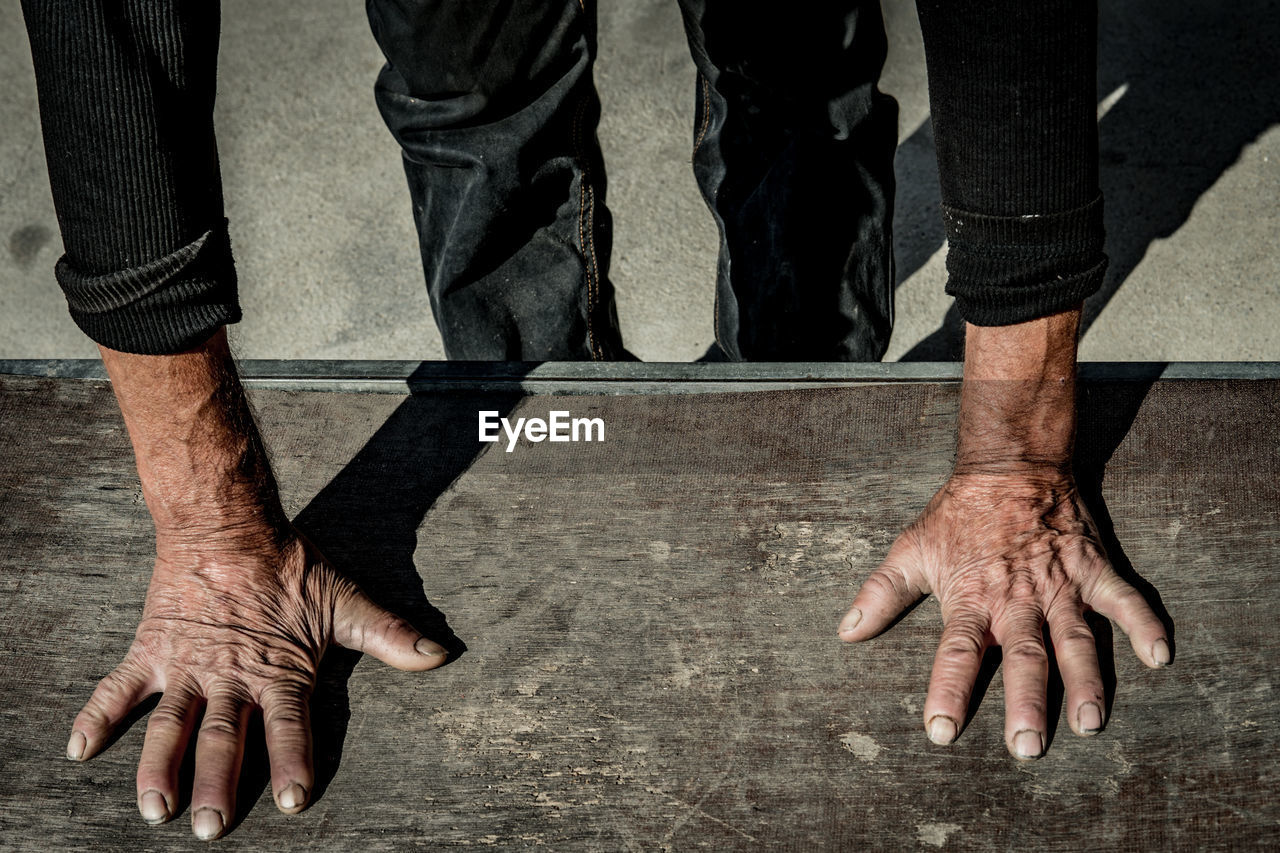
<point x="362" y="625"/>
<point x="885" y="593"/>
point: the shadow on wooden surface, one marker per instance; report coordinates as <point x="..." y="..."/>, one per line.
<point x="366" y="521"/>
<point x="1105" y="413"/>
<point x="649" y="626"/>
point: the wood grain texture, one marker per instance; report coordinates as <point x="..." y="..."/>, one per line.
<point x="649" y="626"/>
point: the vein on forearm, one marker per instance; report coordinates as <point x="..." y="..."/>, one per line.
<point x="202" y="462"/>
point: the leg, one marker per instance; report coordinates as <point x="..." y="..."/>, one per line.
<point x="1012" y="91"/>
<point x="494" y="107"/>
<point x="793" y="152"/>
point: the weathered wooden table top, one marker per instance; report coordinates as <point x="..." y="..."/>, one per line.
<point x="649" y="625"/>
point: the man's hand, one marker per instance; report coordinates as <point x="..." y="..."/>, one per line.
<point x="228" y="629"/>
<point x="1007" y="545"/>
<point x="1006" y="554"/>
<point x="240" y="608"/>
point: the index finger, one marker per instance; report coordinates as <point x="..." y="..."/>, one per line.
<point x="116" y="695"/>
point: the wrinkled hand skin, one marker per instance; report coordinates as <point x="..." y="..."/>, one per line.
<point x="1005" y="554"/>
<point x="230" y="626"/>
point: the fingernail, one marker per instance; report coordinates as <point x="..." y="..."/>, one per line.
<point x="75" y="746"/>
<point x="207" y="823"/>
<point x="850" y="621"/>
<point x="942" y="729"/>
<point x="1028" y="744"/>
<point x="293" y="796"/>
<point x="1160" y="652"/>
<point x="428" y="648"/>
<point x="1089" y="718"/>
<point x="153" y="807"/>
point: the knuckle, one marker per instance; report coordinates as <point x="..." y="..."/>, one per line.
<point x="1025" y="650"/>
<point x="221" y="727"/>
<point x="90" y="717"/>
<point x="1135" y="603"/>
<point x="151" y="775"/>
<point x="167" y="716"/>
<point x="360" y="634"/>
<point x="965" y="614"/>
<point x="1022" y="613"/>
<point x="1074" y="635"/>
<point x="888" y="582"/>
<point x="109" y="700"/>
<point x="218" y="726"/>
<point x="948" y="694"/>
<point x="961" y="643"/>
<point x="1033" y="707"/>
<point x="289" y="746"/>
<point x="385" y="627"/>
<point x="220" y="736"/>
<point x="1130" y="605"/>
<point x="1109" y="586"/>
<point x="115" y="686"/>
<point x="1091" y="689"/>
<point x="287" y="663"/>
<point x="880" y="583"/>
<point x="285" y="714"/>
<point x="1021" y="586"/>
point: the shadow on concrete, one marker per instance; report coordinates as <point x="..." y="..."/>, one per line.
<point x="1197" y="90"/>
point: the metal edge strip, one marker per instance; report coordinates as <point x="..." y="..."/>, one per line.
<point x="571" y="378"/>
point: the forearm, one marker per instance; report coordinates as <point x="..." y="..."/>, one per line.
<point x="1017" y="409"/>
<point x="201" y="460"/>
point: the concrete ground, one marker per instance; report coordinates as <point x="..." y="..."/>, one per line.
<point x="327" y="255"/>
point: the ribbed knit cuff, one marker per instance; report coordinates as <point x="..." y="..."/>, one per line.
<point x="163" y="307"/>
<point x="1012" y="269"/>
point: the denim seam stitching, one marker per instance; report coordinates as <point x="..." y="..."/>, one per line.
<point x="715" y="317"/>
<point x="593" y="290"/>
<point x="706" y="113"/>
<point x="586" y="211"/>
<point x="576" y="133"/>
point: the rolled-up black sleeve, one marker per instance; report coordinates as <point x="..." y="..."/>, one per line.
<point x="126" y="92"/>
<point x="1012" y="91"/>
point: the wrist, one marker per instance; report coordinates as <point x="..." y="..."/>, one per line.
<point x="230" y="559"/>
<point x="239" y="528"/>
<point x="1016" y="426"/>
<point x="220" y="485"/>
<point x="1017" y="408"/>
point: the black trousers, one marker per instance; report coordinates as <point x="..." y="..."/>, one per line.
<point x="494" y="108"/>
